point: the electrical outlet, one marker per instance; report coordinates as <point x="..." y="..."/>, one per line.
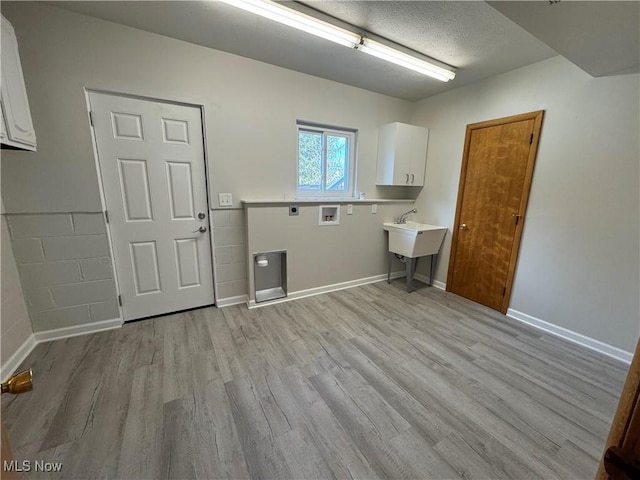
<point x="225" y="200"/>
<point x="349" y="209"/>
<point x="374" y="208"/>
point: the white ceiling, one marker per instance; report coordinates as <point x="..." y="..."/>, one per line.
<point x="469" y="35"/>
<point x="602" y="38"/>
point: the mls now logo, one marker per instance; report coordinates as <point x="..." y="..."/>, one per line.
<point x="28" y="466"/>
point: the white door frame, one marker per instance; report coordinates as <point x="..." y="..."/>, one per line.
<point x="103" y="201"/>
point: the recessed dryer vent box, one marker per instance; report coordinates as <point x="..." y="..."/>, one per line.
<point x="270" y="275"/>
<point x="329" y="215"/>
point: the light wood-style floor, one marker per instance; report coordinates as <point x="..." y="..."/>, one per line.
<point x="370" y="382"/>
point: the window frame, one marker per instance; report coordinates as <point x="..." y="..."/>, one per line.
<point x="351" y="135"/>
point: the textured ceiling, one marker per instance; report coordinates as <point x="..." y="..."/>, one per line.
<point x="470" y="36"/>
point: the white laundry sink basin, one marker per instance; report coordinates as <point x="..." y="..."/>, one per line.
<point x="414" y="239"/>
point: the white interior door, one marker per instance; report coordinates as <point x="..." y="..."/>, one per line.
<point x="151" y="158"/>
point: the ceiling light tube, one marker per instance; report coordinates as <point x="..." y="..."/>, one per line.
<point x="301" y="21"/>
<point x="402" y="59"/>
<point x="319" y="28"/>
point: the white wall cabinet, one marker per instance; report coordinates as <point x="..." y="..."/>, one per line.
<point x="402" y="154"/>
<point x="17" y="127"/>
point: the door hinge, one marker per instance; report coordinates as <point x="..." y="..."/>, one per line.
<point x="106" y="216"/>
<point x="120" y="300"/>
<point x="530" y="138"/>
<point x="91" y="117"/>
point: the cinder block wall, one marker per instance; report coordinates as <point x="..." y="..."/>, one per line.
<point x="230" y="253"/>
<point x="65" y="268"/>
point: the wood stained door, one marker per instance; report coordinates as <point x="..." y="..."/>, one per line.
<point x="497" y="168"/>
<point x="151" y="157"/>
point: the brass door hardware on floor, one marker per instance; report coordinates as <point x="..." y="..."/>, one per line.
<point x="20" y="382"/>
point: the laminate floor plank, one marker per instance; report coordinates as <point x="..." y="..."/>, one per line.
<point x="370" y="382"/>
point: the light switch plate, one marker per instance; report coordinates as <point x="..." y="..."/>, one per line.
<point x="349" y="209"/>
<point x="374" y="208"/>
<point x="225" y="200"/>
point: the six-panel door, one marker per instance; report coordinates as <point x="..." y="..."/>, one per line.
<point x="151" y="158"/>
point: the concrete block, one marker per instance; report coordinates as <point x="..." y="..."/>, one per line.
<point x="83" y="293"/>
<point x="41" y="225"/>
<point x="39" y="298"/>
<point x="232" y="289"/>
<point x="231" y="272"/>
<point x="55" y="273"/>
<point x="229" y="236"/>
<point x="88" y="223"/>
<point x="223" y="255"/>
<point x="28" y="250"/>
<point x="96" y="268"/>
<point x="69" y="248"/>
<point x="104" y="311"/>
<point x="236" y="218"/>
<point x="61" y="318"/>
<point x="238" y="254"/>
<point x="220" y="218"/>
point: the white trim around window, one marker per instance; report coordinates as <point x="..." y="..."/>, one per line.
<point x="326" y="180"/>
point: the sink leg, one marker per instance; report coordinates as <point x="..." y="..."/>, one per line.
<point x="410" y="262"/>
<point x="432" y="271"/>
<point x="389" y="261"/>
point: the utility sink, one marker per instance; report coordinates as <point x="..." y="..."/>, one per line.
<point x="414" y="239"/>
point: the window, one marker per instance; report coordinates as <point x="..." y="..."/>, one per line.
<point x="326" y="161"/>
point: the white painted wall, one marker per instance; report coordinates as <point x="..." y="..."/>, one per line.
<point x="580" y="253"/>
<point x="579" y="259"/>
<point x="322" y="255"/>
<point x="15" y="326"/>
<point x="250" y="109"/>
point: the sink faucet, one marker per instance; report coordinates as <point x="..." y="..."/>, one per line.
<point x="403" y="218"/>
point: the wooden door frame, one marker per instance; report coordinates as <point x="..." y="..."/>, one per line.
<point x="627" y="405"/>
<point x="537" y="126"/>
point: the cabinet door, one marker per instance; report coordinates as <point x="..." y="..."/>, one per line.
<point x="419" y="138"/>
<point x="402" y="164"/>
<point x="15" y="105"/>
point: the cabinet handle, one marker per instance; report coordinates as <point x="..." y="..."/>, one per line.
<point x="412" y="177"/>
<point x="407" y="181"/>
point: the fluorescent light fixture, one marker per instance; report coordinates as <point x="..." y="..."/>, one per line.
<point x="319" y="28"/>
<point x="295" y="19"/>
<point x="392" y="55"/>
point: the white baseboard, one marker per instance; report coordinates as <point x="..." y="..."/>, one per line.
<point x="227" y="302"/>
<point x="310" y="292"/>
<point x="17" y="358"/>
<point x="425" y="279"/>
<point x="572" y="336"/>
<point x="66" y="332"/>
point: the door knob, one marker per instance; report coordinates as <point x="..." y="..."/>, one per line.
<point x="200" y="230"/>
<point x="463" y="226"/>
